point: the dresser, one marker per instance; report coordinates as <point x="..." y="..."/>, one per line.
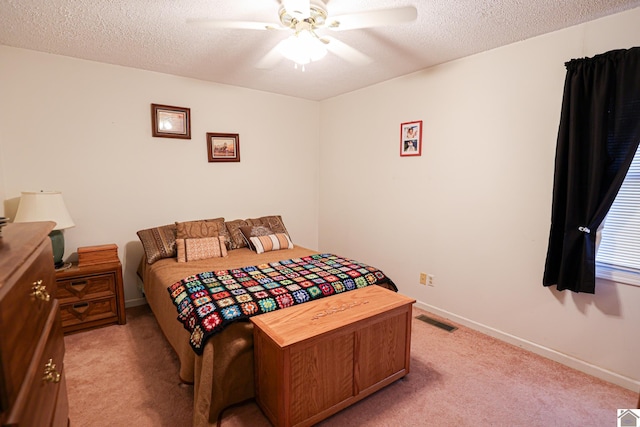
<point x="33" y="390"/>
<point x="314" y="359"/>
<point x="91" y="295"/>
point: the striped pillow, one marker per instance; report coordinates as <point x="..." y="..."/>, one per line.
<point x="272" y="242"/>
<point x="202" y="248"/>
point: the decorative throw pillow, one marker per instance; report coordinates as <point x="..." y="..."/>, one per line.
<point x="198" y="229"/>
<point x="237" y="240"/>
<point x="272" y="242"/>
<point x="274" y="222"/>
<point x="249" y="231"/>
<point x="158" y="242"/>
<point x="201" y="248"/>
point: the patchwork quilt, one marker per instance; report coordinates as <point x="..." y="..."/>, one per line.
<point x="209" y="301"/>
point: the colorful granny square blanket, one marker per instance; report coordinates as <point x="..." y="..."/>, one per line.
<point x="209" y="301"/>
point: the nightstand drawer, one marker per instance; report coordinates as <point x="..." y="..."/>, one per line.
<point x="91" y="295"/>
<point x="89" y="287"/>
<point x="86" y="312"/>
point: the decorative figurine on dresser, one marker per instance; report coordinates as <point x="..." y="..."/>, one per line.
<point x="90" y="291"/>
<point x="33" y="389"/>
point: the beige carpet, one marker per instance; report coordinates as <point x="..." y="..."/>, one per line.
<point x="128" y="375"/>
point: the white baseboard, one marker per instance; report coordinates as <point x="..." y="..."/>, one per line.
<point x="556" y="356"/>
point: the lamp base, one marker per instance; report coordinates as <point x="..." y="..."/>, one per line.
<point x="64" y="266"/>
<point x="57" y="244"/>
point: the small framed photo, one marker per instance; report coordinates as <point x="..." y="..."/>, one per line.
<point x="170" y="122"/>
<point x="223" y="147"/>
<point x="411" y="138"/>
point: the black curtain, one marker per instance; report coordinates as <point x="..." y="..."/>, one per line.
<point x="597" y="138"/>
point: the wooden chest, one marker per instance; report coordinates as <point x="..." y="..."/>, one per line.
<point x="89" y="255"/>
<point x="314" y="359"/>
<point x="32" y="377"/>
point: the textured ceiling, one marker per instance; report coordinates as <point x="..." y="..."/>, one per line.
<point x="154" y="35"/>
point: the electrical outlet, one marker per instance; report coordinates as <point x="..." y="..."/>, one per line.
<point x="431" y="279"/>
<point x="423" y="278"/>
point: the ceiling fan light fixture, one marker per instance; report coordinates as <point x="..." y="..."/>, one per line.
<point x="303" y="47"/>
<point x="304" y="18"/>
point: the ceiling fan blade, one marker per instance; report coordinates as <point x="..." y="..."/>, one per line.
<point x="374" y="18"/>
<point x="272" y="58"/>
<point x="243" y="25"/>
<point x="346" y="52"/>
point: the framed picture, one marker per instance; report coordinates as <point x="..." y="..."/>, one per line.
<point x="170" y="122"/>
<point x="223" y="147"/>
<point x="411" y="138"/>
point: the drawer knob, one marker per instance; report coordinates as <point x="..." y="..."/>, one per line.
<point x="50" y="373"/>
<point x="40" y="291"/>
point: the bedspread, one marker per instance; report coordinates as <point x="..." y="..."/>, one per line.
<point x="209" y="301"/>
<point x="223" y="374"/>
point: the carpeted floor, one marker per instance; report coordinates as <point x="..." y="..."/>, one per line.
<point x="128" y="375"/>
<point x="125" y="375"/>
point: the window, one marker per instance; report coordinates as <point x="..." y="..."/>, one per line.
<point x="618" y="256"/>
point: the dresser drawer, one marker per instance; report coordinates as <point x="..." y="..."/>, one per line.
<point x="44" y="385"/>
<point x="88" y="287"/>
<point x="24" y="311"/>
<point x="84" y="312"/>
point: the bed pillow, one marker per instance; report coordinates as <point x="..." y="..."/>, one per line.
<point x="249" y="231"/>
<point x="274" y="222"/>
<point x="272" y="242"/>
<point x="158" y="242"/>
<point x="201" y="248"/>
<point x="237" y="240"/>
<point x="198" y="229"/>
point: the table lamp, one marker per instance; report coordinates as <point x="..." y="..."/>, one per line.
<point x="46" y="206"/>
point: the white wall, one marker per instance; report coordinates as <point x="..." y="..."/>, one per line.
<point x="474" y="209"/>
<point x="84" y="128"/>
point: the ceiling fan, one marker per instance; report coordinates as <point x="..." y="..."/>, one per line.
<point x="303" y="18"/>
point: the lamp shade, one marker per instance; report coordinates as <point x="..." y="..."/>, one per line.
<point x="44" y="206"/>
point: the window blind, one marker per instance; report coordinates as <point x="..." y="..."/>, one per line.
<point x="620" y="244"/>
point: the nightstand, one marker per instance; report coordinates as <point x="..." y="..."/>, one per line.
<point x="91" y="295"/>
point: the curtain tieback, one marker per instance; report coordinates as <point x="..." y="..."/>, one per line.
<point x="584" y="230"/>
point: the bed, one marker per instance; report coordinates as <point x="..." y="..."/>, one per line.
<point x="222" y="374"/>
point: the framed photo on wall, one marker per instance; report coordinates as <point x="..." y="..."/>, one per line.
<point x="223" y="147"/>
<point x="411" y="138"/>
<point x="170" y="122"/>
